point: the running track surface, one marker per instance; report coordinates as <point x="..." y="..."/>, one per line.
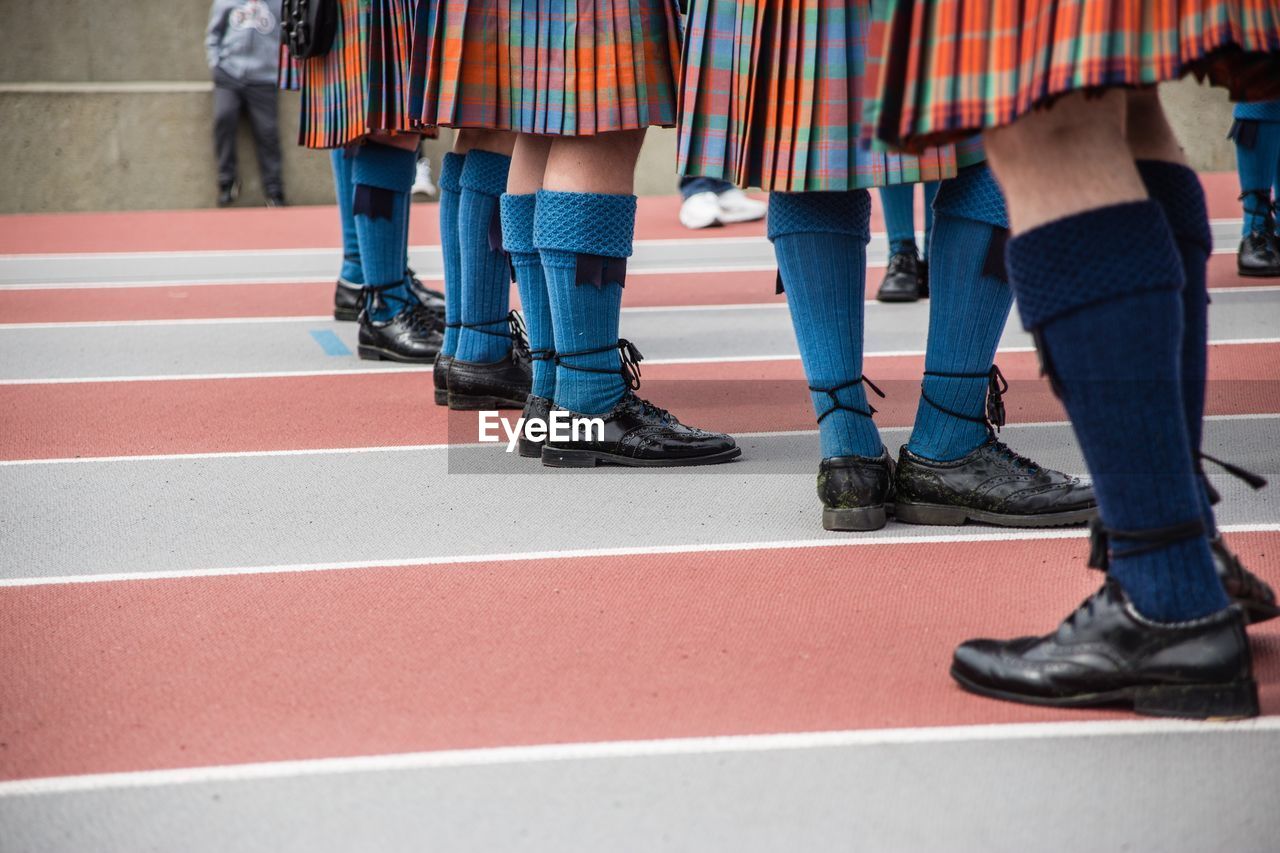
<point x="213" y="668"/>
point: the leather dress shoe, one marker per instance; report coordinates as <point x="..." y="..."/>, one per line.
<point x="1256" y="599"/>
<point x="1107" y="653"/>
<point x="432" y="299"/>
<point x="901" y="278"/>
<point x="538" y="408"/>
<point x="348" y="300"/>
<point x="639" y="434"/>
<point x="228" y="193"/>
<point x="440" y="379"/>
<point x="412" y="336"/>
<point x="993" y="485"/>
<point x="501" y="384"/>
<point x="1259" y="255"/>
<point x="856" y="491"/>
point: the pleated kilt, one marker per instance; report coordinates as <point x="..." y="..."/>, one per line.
<point x="956" y="66"/>
<point x="554" y="67"/>
<point x="773" y="95"/>
<point x="361" y="85"/>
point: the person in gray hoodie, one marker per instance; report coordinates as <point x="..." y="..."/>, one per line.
<point x="242" y="46"/>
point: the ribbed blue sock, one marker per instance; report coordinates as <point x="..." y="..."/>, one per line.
<point x="1109" y="324"/>
<point x="585" y="316"/>
<point x="344" y="188"/>
<point x="450" y="249"/>
<point x="518" y="212"/>
<point x="486" y="282"/>
<point x="930" y="193"/>
<point x="1178" y="192"/>
<point x="1257" y="165"/>
<point x="820" y="239"/>
<point x="383" y="176"/>
<point x="968" y="310"/>
<point x="899" y="203"/>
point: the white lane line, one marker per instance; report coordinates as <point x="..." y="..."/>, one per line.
<point x="606" y="750"/>
<point x="189" y="321"/>
<point x="430" y="448"/>
<point x="409" y="368"/>
<point x="834" y="541"/>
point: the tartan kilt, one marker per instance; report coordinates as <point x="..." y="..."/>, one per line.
<point x="957" y="66"/>
<point x="360" y="85"/>
<point x="773" y="95"/>
<point x="552" y="67"/>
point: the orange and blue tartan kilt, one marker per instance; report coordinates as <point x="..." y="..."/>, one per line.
<point x="957" y="66"/>
<point x="361" y="85"/>
<point x="773" y="95"/>
<point x="554" y="67"/>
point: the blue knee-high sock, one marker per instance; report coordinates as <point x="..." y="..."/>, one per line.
<point x="344" y="188"/>
<point x="930" y="193"/>
<point x="820" y="239"/>
<point x="450" y="197"/>
<point x="1178" y="192"/>
<point x="968" y="310"/>
<point x="486" y="282"/>
<point x="1257" y="164"/>
<point x="383" y="176"/>
<point x="1109" y="324"/>
<point x="585" y="315"/>
<point x="899" y="203"/>
<point x="518" y="213"/>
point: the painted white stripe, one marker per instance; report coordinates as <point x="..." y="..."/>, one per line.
<point x="428" y="448"/>
<point x="189" y="321"/>
<point x="410" y="368"/>
<point x="833" y="541"/>
<point x="723" y="745"/>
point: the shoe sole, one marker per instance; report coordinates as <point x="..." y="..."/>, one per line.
<point x="442" y="396"/>
<point x="346" y="314"/>
<point x="369" y="353"/>
<point x="892" y="297"/>
<point x="554" y="458"/>
<point x="477" y="403"/>
<point x="530" y="449"/>
<point x="951" y="516"/>
<point x="1236" y="700"/>
<point x="861" y="518"/>
<point x="1257" y="273"/>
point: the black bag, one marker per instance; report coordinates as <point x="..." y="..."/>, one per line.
<point x="307" y="27"/>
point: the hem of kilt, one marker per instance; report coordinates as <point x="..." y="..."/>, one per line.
<point x="476" y="125"/>
<point x="343" y="140"/>
<point x="828" y="185"/>
<point x="1246" y="77"/>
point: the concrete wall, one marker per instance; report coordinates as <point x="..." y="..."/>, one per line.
<point x="106" y="105"/>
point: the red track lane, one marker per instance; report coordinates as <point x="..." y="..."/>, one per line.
<point x="130" y="676"/>
<point x="77" y="305"/>
<point x="395" y="409"/>
<point x="317" y="227"/>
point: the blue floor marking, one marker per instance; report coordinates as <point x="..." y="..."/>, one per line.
<point x="329" y="342"/>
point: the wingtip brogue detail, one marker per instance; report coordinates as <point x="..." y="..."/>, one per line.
<point x="992" y="485"/>
<point x="1106" y="653"/>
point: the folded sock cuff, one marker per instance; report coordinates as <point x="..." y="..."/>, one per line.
<point x="485" y="172"/>
<point x="384" y="166"/>
<point x="585" y="223"/>
<point x="517" y="223"/>
<point x="1178" y="190"/>
<point x="451" y="172"/>
<point x="847" y="213"/>
<point x="1098" y="256"/>
<point x="973" y="194"/>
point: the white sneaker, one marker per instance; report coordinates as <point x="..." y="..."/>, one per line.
<point x="701" y="210"/>
<point x="736" y="207"/>
<point x="422" y="183"/>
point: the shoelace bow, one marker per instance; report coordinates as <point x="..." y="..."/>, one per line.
<point x="835" y="400"/>
<point x="629" y="358"/>
<point x="997" y="386"/>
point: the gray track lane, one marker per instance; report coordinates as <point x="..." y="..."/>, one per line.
<point x="1204" y="788"/>
<point x="122" y="517"/>
<point x="667" y="334"/>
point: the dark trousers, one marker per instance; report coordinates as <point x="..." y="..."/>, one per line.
<point x="230" y="98"/>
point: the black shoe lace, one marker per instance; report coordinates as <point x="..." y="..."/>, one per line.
<point x="1151" y="539"/>
<point x="1021" y="462"/>
<point x="835" y="400"/>
<point x="907" y="260"/>
<point x="417" y="317"/>
<point x="993" y="416"/>
<point x="629" y="358"/>
<point x="1262" y="206"/>
<point x="515" y="331"/>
